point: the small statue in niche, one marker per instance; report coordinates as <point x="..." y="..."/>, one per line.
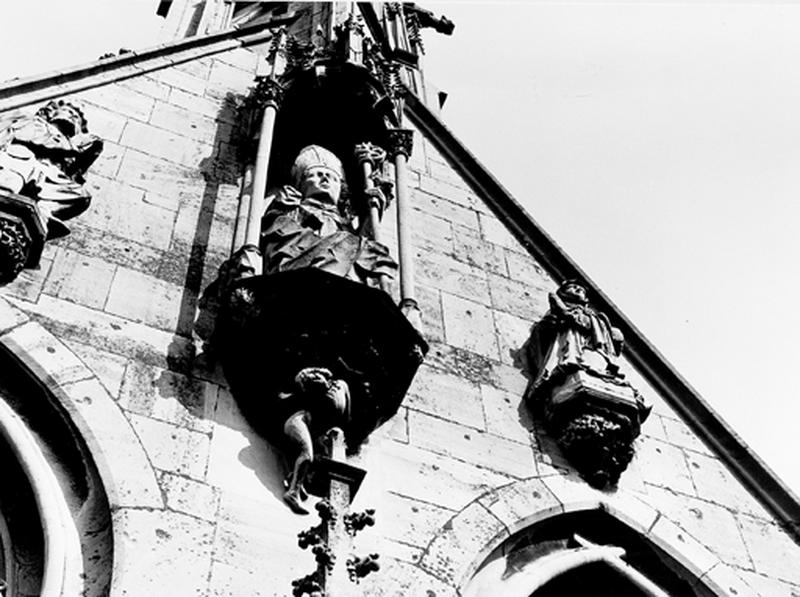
<point x="45" y="157"/>
<point x="592" y="410"/>
<point x="311" y="224"/>
<point x="316" y="403"/>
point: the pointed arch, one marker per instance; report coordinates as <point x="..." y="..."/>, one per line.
<point x="459" y="552"/>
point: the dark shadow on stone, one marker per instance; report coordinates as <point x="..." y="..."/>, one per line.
<point x="223" y="166"/>
<point x="264" y="459"/>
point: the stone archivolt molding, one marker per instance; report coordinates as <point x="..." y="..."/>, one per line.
<point x="127" y="476"/>
<point x="462" y="545"/>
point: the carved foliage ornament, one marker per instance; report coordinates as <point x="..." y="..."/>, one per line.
<point x="586" y="402"/>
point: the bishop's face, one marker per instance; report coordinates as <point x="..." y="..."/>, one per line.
<point x="574" y="292"/>
<point x="321" y="183"/>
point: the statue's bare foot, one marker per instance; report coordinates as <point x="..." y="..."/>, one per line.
<point x="293" y="500"/>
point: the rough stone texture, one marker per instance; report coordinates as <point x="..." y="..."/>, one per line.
<point x="463" y="463"/>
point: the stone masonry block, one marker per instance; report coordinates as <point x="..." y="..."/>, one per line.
<point x="38" y="347"/>
<point x="663" y="465"/>
<point x="176" y="148"/>
<point x="168" y="396"/>
<point x="512" y="334"/>
<point x="462" y="544"/>
<point x="142" y="298"/>
<point x="518" y="298"/>
<point x="242" y="58"/>
<point x="147" y="85"/>
<point x="113" y="248"/>
<point x="109" y="161"/>
<point x="431" y="233"/>
<point x="184" y="122"/>
<point x="470" y="248"/>
<point x="160" y="553"/>
<point x="453" y="277"/>
<point x="172" y="448"/>
<point x="190" y="497"/>
<point x="174" y="77"/>
<point x="430" y="303"/>
<point x="714" y="482"/>
<point x="230" y="581"/>
<point x="725" y="581"/>
<point x="521" y="504"/>
<point x="495" y="231"/>
<point x="468" y="445"/>
<point x="455" y="213"/>
<point x="128" y="477"/>
<point x="771" y="548"/>
<point x="80" y="278"/>
<point x="523" y="267"/>
<point x="109" y="368"/>
<point x="469" y="325"/>
<point x="506" y="414"/>
<point x="678" y="433"/>
<point x="709" y="523"/>
<point x="573" y="492"/>
<point x="409" y="521"/>
<point x="10" y="316"/>
<point x="28" y="285"/>
<point x="119" y="100"/>
<point x="198" y="67"/>
<point x="402" y="579"/>
<point x="453" y="193"/>
<point x="107" y="332"/>
<point x="679" y="544"/>
<point x="766" y="586"/>
<point x="433" y="478"/>
<point x="159" y="176"/>
<point x="199" y="105"/>
<point x="106" y="123"/>
<point x="446" y="396"/>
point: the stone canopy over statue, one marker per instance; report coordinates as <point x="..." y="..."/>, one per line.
<point x="43" y="161"/>
<point x="340" y="353"/>
<point x="577" y="384"/>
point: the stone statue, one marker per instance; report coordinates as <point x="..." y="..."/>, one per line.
<point x="311" y="224"/>
<point x="45" y="157"/>
<point x="572" y="336"/>
<point x="588" y="405"/>
<point x="317" y="403"/>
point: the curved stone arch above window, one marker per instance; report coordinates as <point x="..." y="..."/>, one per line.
<point x="463" y="545"/>
<point x="128" y="480"/>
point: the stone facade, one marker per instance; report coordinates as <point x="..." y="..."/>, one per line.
<point x="113" y="322"/>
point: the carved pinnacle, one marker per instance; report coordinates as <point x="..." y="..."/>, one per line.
<point x="401" y="141"/>
<point x="367" y="152"/>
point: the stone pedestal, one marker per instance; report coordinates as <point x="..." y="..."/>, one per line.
<point x="22" y="235"/>
<point x="595" y="421"/>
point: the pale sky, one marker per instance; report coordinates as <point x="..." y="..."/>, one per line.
<point x="658" y="143"/>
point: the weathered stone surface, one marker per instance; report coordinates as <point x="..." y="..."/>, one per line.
<point x="470" y="248"/>
<point x="179" y="149"/>
<point x="679" y="544"/>
<point x="190" y="497"/>
<point x="10" y="316"/>
<point x="467" y="444"/>
<point x="396" y="428"/>
<point x="512" y="334"/>
<point x="232" y="581"/>
<point x="145" y="299"/>
<point x="521" y="504"/>
<point x="79" y="278"/>
<point x="443" y="208"/>
<point x="109" y="368"/>
<point x="28" y="285"/>
<point x="159" y="176"/>
<point x="495" y="232"/>
<point x="168" y="396"/>
<point x="460" y="547"/>
<point x="146" y="85"/>
<point x="187" y="123"/>
<point x="128" y="477"/>
<point x="433" y="478"/>
<point x="447" y="397"/>
<point x="430" y="304"/>
<point x="160" y="553"/>
<point x="506" y="414"/>
<point x="124" y="102"/>
<point x="113" y="248"/>
<point x="453" y="277"/>
<point x="431" y="233"/>
<point x="715" y="483"/>
<point x="710" y="524"/>
<point x="401" y="579"/>
<point x="767" y="586"/>
<point x="409" y="521"/>
<point x="175" y="77"/>
<point x="772" y="550"/>
<point x="518" y="298"/>
<point x="725" y="581"/>
<point x="171" y="448"/>
<point x="573" y="492"/>
<point x="523" y="267"/>
<point x="41" y="350"/>
<point x="664" y="465"/>
<point x="469" y="325"/>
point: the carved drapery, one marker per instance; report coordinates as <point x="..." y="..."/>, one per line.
<point x="43" y="161"/>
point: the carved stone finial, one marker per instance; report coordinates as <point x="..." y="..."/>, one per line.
<point x="400" y="141"/>
<point x="268" y="92"/>
<point x="358" y="521"/>
<point x="358" y="568"/>
<point x="588" y="405"/>
<point x="368" y="152"/>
